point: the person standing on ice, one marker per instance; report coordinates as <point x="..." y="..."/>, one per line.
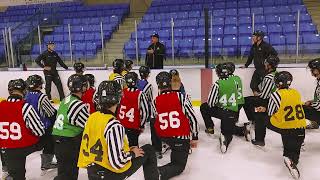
<point x="47" y="113"/>
<point x="48" y="61"/>
<point x="175" y="123"/>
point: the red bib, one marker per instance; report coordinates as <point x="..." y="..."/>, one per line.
<point x="128" y="111"/>
<point x="87" y="98"/>
<point x="171" y="121"/>
<point x="13" y="130"/>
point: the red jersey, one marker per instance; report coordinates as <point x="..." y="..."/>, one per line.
<point x="128" y="111"/>
<point x="13" y="130"/>
<point x="170" y="121"/>
<point x="87" y="98"/>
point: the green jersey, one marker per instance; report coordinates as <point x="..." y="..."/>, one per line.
<point x="62" y="126"/>
<point x="227" y="96"/>
<point x="238" y="82"/>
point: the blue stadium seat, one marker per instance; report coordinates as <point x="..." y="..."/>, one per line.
<point x="243" y="4"/>
<point x="311" y="38"/>
<point x="244" y="12"/>
<point x="231" y="12"/>
<point x="231" y="20"/>
<point x="287" y="18"/>
<point x="189" y="33"/>
<point x="217" y="30"/>
<point x="219" y="13"/>
<point x="245" y="29"/>
<point x="194" y="14"/>
<point x="276" y="39"/>
<point x="259" y="19"/>
<point x="257" y="10"/>
<point x="245" y="20"/>
<point x="230" y="41"/>
<point x="218" y="21"/>
<point x="261" y="27"/>
<point x="307" y="27"/>
<point x="245" y="41"/>
<point x="274" y="28"/>
<point x="291" y="39"/>
<point x="228" y="30"/>
<point x="272" y="19"/>
<point x="165" y="34"/>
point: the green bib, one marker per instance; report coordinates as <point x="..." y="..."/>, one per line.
<point x="62" y="126"/>
<point x="228" y="93"/>
<point x="238" y="82"/>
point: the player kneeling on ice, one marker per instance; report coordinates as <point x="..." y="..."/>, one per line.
<point x="47" y="113"/>
<point x="21" y="129"/>
<point x="288" y="119"/>
<point x="312" y="107"/>
<point x="234" y="96"/>
<point x="175" y="122"/>
<point x="105" y="150"/>
<point x="134" y="109"/>
<point x="88" y="95"/>
<point x="222" y="104"/>
<point x="67" y="130"/>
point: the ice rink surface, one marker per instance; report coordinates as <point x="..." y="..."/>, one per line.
<point x="243" y="161"/>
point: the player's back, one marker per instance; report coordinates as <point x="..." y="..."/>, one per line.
<point x="228" y="93"/>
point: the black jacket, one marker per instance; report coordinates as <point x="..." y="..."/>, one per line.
<point x="259" y="53"/>
<point x="50" y="59"/>
<point x="155" y="60"/>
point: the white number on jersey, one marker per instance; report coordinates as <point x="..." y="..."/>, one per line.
<point x="129" y="114"/>
<point x="59" y="122"/>
<point x="172" y="120"/>
<point x="223" y="100"/>
<point x="12" y="131"/>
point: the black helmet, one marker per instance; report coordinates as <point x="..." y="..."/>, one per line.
<point x="259" y="33"/>
<point x="17" y="84"/>
<point x="144" y="72"/>
<point x="118" y="64"/>
<point x="50" y="42"/>
<point x="34" y="81"/>
<point x="163" y="80"/>
<point x="77" y="82"/>
<point x="109" y="93"/>
<point x="314" y="64"/>
<point x="91" y="79"/>
<point x="79" y="67"/>
<point x="128" y="64"/>
<point x="230" y="67"/>
<point x="273" y="61"/>
<point x="283" y="79"/>
<point x="174" y="72"/>
<point x="131" y="79"/>
<point x="222" y="71"/>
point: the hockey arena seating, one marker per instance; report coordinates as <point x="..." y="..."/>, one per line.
<point x="232" y="27"/>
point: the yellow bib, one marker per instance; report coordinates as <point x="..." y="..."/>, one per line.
<point x="290" y="114"/>
<point x="113" y="76"/>
<point x="94" y="147"/>
<point x="124" y="72"/>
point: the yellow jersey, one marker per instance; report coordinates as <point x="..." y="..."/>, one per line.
<point x="119" y="79"/>
<point x="124" y="72"/>
<point x="290" y="114"/>
<point x="94" y="147"/>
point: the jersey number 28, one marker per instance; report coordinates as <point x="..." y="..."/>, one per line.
<point x="298" y="116"/>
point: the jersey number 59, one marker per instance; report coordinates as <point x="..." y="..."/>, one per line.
<point x="12" y="131"/>
<point x="169" y="119"/>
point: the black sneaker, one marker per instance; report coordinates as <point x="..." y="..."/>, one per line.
<point x="258" y="143"/>
<point x="294" y="171"/>
<point x="223" y="144"/>
<point x="209" y="131"/>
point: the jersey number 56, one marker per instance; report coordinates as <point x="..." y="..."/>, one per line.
<point x="169" y="119"/>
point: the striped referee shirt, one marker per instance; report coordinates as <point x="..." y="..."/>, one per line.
<point x="188" y="110"/>
<point x="45" y="107"/>
<point x="266" y="86"/>
<point x="148" y="90"/>
<point x="78" y="112"/>
<point x="213" y="95"/>
<point x="119" y="79"/>
<point x="30" y="116"/>
<point x="114" y="134"/>
<point x="274" y="103"/>
<point x="144" y="107"/>
<point x="316" y="104"/>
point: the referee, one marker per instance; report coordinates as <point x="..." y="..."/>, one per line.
<point x="261" y="99"/>
<point x="48" y="61"/>
<point x="260" y="50"/>
<point x="25" y="126"/>
<point x="67" y="130"/>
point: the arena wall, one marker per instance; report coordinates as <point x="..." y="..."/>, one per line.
<point x="191" y="78"/>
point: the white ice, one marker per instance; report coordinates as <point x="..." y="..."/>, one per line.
<point x="243" y="161"/>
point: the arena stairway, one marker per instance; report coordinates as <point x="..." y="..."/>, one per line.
<point x="313" y="7"/>
<point x="114" y="47"/>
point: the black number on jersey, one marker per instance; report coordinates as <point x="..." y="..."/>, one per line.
<point x="299" y="113"/>
<point x="95" y="149"/>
